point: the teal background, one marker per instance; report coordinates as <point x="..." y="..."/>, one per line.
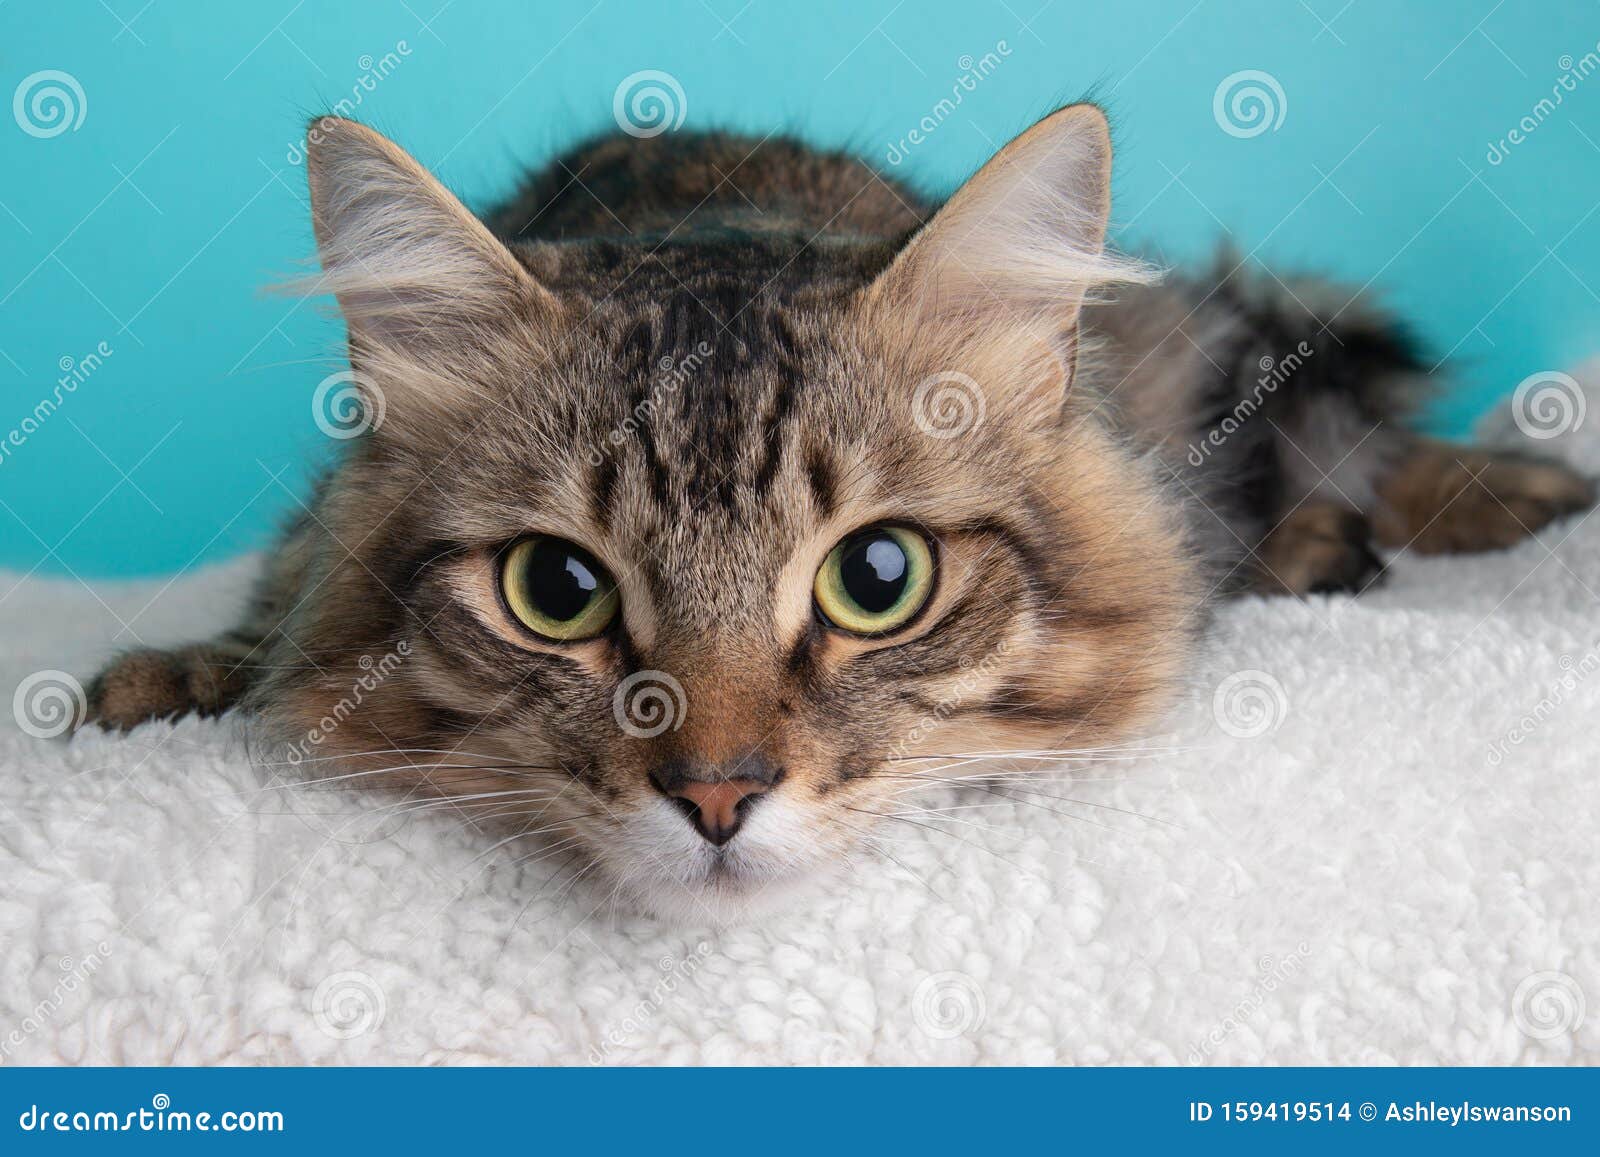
<point x="153" y="224"/>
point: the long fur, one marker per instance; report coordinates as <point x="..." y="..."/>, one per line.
<point x="707" y="367"/>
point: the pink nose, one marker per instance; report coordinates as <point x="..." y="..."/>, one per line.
<point x="717" y="809"/>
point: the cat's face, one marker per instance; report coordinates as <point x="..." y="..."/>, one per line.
<point x="698" y="568"/>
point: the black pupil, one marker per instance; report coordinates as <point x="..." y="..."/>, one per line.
<point x="873" y="570"/>
<point x="560" y="580"/>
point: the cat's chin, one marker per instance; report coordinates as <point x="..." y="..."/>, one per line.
<point x="723" y="901"/>
<point x="665" y="870"/>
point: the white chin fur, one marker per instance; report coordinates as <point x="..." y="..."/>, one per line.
<point x="667" y="869"/>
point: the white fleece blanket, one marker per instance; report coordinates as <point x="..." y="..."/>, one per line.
<point x="1372" y="835"/>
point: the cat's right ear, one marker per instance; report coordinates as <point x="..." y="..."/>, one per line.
<point x="414" y="271"/>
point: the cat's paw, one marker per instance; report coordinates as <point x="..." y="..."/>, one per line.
<point x="1455" y="499"/>
<point x="149" y="684"/>
<point x="1319" y="548"/>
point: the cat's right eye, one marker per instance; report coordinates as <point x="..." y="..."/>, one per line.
<point x="557" y="589"/>
<point x="875" y="581"/>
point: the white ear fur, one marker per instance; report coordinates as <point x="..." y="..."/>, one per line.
<point x="1020" y="245"/>
<point x="401" y="253"/>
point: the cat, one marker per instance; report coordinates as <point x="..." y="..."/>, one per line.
<point x="723" y="485"/>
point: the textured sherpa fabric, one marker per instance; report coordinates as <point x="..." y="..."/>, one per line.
<point x="1369" y="836"/>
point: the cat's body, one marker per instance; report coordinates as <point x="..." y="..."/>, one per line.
<point x="706" y="360"/>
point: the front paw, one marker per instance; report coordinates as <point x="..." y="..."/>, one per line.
<point x="1457" y="499"/>
<point x="1320" y="548"/>
<point x="149" y="684"/>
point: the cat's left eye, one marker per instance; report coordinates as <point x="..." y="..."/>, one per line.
<point x="876" y="580"/>
<point x="557" y="589"/>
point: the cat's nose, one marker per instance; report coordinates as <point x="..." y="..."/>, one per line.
<point x="716" y="800"/>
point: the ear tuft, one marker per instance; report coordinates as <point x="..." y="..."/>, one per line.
<point x="1022" y="243"/>
<point x="401" y="253"/>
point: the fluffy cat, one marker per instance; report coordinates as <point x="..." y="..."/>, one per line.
<point x="721" y="485"/>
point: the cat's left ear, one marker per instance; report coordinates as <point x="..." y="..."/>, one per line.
<point x="1002" y="270"/>
<point x="414" y="271"/>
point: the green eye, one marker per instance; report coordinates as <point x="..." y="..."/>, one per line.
<point x="876" y="580"/>
<point x="557" y="589"/>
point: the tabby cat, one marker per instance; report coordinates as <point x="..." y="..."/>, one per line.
<point x="722" y="484"/>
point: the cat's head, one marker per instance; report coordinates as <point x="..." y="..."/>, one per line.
<point x="698" y="553"/>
